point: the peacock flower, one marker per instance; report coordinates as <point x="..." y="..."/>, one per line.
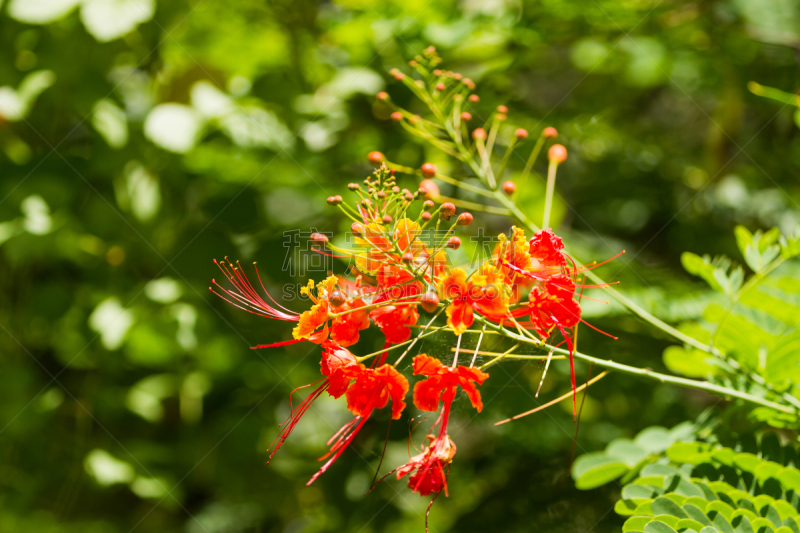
<point x="338" y="367"/>
<point x="443" y="381"/>
<point x="513" y="256"/>
<point x="485" y="291"/>
<point x="546" y="253"/>
<point x="372" y="389"/>
<point x="429" y="475"/>
<point x="344" y="328"/>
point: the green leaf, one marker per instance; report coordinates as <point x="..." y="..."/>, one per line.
<point x="626" y="451"/>
<point x="689" y="452"/>
<point x="724" y="456"/>
<point x="720" y="507"/>
<point x="747" y="462"/>
<point x="790" y="479"/>
<point x="594" y="469"/>
<point x="624" y="508"/>
<point x="635" y="523"/>
<point x="719" y="522"/>
<point x="695" y="513"/>
<point x="654" y="439"/>
<point x="684" y="523"/>
<point x="791" y="523"/>
<point x="663" y="505"/>
<point x="688" y="362"/>
<point x="658" y="527"/>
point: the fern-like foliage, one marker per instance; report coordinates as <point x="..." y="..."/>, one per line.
<point x="754" y="328"/>
<point x="700" y="487"/>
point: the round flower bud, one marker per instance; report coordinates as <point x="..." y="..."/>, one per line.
<point x="319" y="238"/>
<point x="408" y="197"/>
<point x="429" y="189"/>
<point x="428" y="170"/>
<point x="479" y="134"/>
<point x="357" y="228"/>
<point x="557" y="153"/>
<point x="469" y="83"/>
<point x="521" y="134"/>
<point x="399" y="76"/>
<point x="437" y="72"/>
<point x="396" y="189"/>
<point x="334" y="200"/>
<point x="549" y="132"/>
<point x="337" y="298"/>
<point x="393" y="72"/>
<point x="408" y="257"/>
<point x="397" y="116"/>
<point x="381" y="194"/>
<point x="474" y="98"/>
<point x="441" y="86"/>
<point x="464" y="219"/>
<point x="426" y="216"/>
<point x="415" y="119"/>
<point x="387" y="219"/>
<point x="376" y="157"/>
<point x="500" y="116"/>
<point x="509" y="187"/>
<point x="447" y="210"/>
<point x="429" y="302"/>
<point x="466" y="117"/>
<point x="454" y="243"/>
<point x="427" y="204"/>
<point x="353" y="186"/>
<point x="502" y="109"/>
<point x="458" y="76"/>
<point x="382" y="96"/>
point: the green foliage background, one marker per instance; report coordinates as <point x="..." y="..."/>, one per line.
<point x="140" y="140"/>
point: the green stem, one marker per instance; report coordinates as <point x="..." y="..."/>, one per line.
<point x="548" y="199"/>
<point x="645" y="372"/>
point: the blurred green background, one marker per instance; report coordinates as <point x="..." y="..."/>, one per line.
<point x="139" y="139"/>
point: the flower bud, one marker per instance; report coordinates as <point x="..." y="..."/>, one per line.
<point x="412" y="63"/>
<point x="474" y="98"/>
<point x="337" y="298"/>
<point x="441" y="86"/>
<point x="458" y="76"/>
<point x="521" y="134"/>
<point x="408" y="257"/>
<point x="479" y="134"/>
<point x="399" y="76"/>
<point x="447" y="210"/>
<point x="437" y="72"/>
<point x="454" y="243"/>
<point x="500" y="116"/>
<point x="429" y="189"/>
<point x="408" y="197"/>
<point x="415" y="119"/>
<point x="429" y="302"/>
<point x="427" y="204"/>
<point x="376" y="158"/>
<point x="397" y="116"/>
<point x="319" y="238"/>
<point x="469" y="83"/>
<point x="353" y="186"/>
<point x="502" y="109"/>
<point x="428" y="170"/>
<point x="381" y="194"/>
<point x="464" y="219"/>
<point x="557" y="153"/>
<point x="394" y="72"/>
<point x="466" y="117"/>
<point x="549" y="132"/>
<point x="382" y="96"/>
<point x="357" y="228"/>
<point x="509" y="187"/>
<point x="426" y="216"/>
<point x="334" y="200"/>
